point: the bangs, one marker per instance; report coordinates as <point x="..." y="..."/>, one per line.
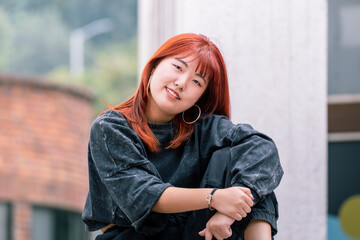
<point x="207" y="64"/>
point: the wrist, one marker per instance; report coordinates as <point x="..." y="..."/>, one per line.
<point x="210" y="198"/>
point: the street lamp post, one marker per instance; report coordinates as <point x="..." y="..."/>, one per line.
<point x="78" y="38"/>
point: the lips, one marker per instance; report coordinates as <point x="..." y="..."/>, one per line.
<point x="172" y="93"/>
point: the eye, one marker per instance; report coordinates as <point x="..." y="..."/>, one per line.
<point x="197" y="82"/>
<point x="177" y="67"/>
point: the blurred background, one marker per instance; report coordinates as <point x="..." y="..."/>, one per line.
<point x="59" y="60"/>
<point x="85" y="43"/>
<point x="294" y="72"/>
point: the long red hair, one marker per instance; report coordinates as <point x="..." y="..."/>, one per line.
<point x="215" y="99"/>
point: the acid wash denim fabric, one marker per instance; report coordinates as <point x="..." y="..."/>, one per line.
<point x="125" y="182"/>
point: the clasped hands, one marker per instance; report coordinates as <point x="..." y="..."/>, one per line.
<point x="232" y="204"/>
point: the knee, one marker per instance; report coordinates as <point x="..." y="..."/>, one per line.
<point x="258" y="230"/>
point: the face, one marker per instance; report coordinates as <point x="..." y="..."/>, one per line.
<point x="175" y="86"/>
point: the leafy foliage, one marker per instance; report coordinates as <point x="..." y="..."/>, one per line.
<point x="5" y="39"/>
<point x="113" y="79"/>
<point x="34" y="39"/>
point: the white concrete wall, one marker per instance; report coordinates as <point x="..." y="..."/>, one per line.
<point x="276" y="54"/>
<point x="156" y="23"/>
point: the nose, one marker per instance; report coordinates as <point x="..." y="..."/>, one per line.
<point x="180" y="83"/>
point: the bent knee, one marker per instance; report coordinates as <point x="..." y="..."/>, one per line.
<point x="258" y="229"/>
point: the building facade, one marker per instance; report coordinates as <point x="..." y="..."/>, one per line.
<point x="43" y="158"/>
<point x="343" y="119"/>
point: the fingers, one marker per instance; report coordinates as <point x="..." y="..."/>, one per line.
<point x="247" y="191"/>
<point x="246" y="209"/>
<point x="218" y="226"/>
<point x="223" y="233"/>
<point x="249" y="201"/>
<point x="208" y="235"/>
<point x="242" y="208"/>
<point x="234" y="202"/>
<point x="249" y="197"/>
<point x="239" y="213"/>
<point x="240" y="216"/>
<point x="220" y="236"/>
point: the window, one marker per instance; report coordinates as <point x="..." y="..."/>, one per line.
<point x="343" y="179"/>
<point x="57" y="224"/>
<point x="5" y="221"/>
<point x="344" y="47"/>
<point x="343" y="118"/>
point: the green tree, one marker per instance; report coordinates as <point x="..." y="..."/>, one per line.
<point x="42" y="29"/>
<point x="40" y="41"/>
<point x="113" y="78"/>
<point x="34" y="39"/>
<point x="5" y="40"/>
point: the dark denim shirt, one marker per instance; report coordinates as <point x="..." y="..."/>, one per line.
<point x="126" y="180"/>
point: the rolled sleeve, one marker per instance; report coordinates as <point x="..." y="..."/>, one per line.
<point x="131" y="179"/>
<point x="255" y="158"/>
<point x="257" y="164"/>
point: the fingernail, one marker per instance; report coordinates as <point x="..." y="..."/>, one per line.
<point x="252" y="197"/>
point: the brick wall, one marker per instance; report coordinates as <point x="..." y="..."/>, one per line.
<point x="44" y="131"/>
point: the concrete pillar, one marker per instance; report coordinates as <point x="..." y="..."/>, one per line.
<point x="156" y="23"/>
<point x="276" y="54"/>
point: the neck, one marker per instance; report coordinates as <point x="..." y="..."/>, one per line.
<point x="156" y="116"/>
<point x="157" y="119"/>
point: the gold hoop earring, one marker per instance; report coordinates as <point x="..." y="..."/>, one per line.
<point x="197" y="118"/>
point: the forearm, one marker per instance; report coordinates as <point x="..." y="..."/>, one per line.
<point x="174" y="200"/>
<point x="234" y="202"/>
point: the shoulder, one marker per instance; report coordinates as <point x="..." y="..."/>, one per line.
<point x="111" y="123"/>
<point x="110" y="117"/>
<point x="222" y="123"/>
<point x="222" y="127"/>
<point x="213" y="120"/>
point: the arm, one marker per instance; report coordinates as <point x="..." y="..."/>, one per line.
<point x="134" y="184"/>
<point x="174" y="200"/>
<point x="129" y="181"/>
<point x="254" y="156"/>
<point x="219" y="226"/>
<point x="235" y="202"/>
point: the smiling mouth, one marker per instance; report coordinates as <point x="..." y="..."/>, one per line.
<point x="172" y="93"/>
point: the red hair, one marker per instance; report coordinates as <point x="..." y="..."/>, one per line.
<point x="215" y="99"/>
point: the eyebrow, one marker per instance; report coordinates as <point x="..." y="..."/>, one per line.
<point x="201" y="76"/>
<point x="197" y="74"/>
<point x="182" y="61"/>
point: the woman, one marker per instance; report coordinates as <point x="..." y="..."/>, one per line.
<point x="169" y="164"/>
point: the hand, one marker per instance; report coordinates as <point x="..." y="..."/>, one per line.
<point x="218" y="226"/>
<point x="235" y="202"/>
